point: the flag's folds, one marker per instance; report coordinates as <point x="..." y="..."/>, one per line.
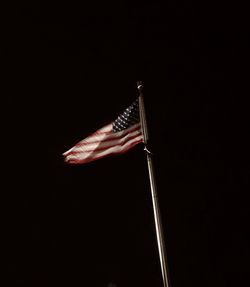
<point x="117" y="137"/>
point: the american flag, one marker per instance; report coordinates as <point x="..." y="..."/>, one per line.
<point x="115" y="138"/>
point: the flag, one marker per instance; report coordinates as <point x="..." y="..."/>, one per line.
<point x="116" y="137"/>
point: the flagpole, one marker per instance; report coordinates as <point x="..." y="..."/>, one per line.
<point x="156" y="209"/>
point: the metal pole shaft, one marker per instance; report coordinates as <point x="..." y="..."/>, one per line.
<point x="156" y="209"/>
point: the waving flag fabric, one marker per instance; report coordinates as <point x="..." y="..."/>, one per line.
<point x="115" y="138"/>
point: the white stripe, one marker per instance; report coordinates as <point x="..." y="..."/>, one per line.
<point x="111" y="150"/>
<point x="105" y="142"/>
<point x="101" y="135"/>
<point x="102" y="132"/>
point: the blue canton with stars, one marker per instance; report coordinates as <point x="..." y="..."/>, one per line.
<point x="128" y="118"/>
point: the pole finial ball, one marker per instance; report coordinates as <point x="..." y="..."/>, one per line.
<point x="139" y="85"/>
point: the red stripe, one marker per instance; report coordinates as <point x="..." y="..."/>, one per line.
<point x="89" y="159"/>
<point x="110" y="138"/>
<point x="103" y="148"/>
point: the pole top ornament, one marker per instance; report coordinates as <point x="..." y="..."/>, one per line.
<point x="139" y="85"/>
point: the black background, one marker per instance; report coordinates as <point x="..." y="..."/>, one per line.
<point x="72" y="67"/>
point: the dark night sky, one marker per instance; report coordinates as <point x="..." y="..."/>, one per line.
<point x="71" y="68"/>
